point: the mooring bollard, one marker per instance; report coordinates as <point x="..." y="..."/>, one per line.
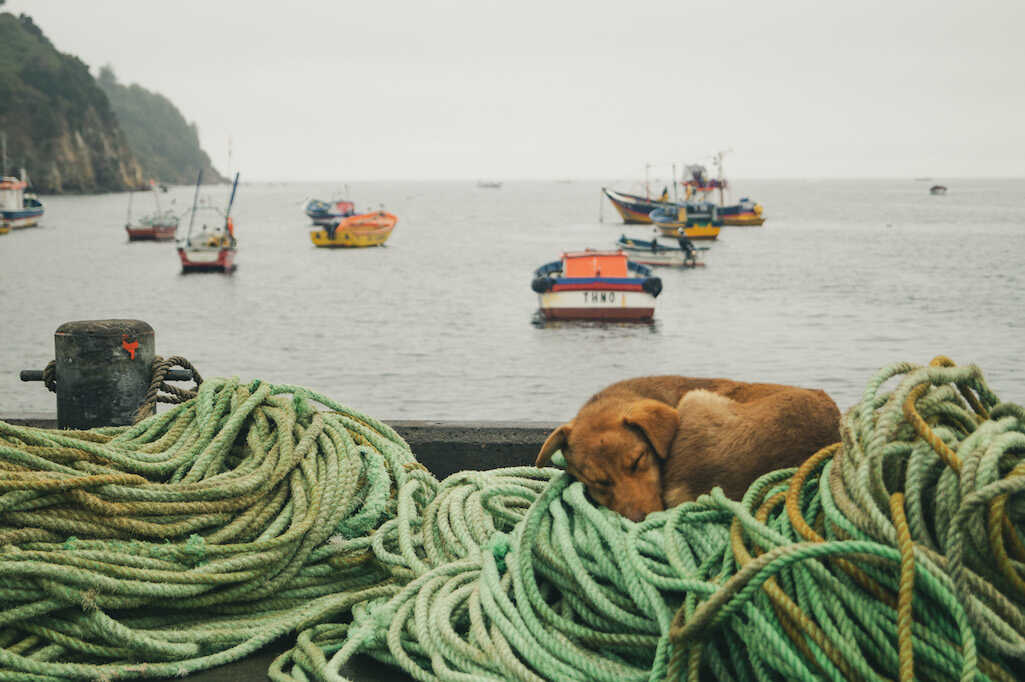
<point x="103" y="370"/>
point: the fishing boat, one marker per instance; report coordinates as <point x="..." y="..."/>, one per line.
<point x="745" y="213"/>
<point x="489" y="184"/>
<point x="596" y="285"/>
<point x="213" y="247"/>
<point x="938" y="189"/>
<point x="160" y="225"/>
<point x="634" y="209"/>
<point x="367" y="229"/>
<point x="329" y="212"/>
<point x="695" y="220"/>
<point x="17" y="208"/>
<point x="653" y="253"/>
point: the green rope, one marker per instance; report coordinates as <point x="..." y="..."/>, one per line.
<point x="200" y="534"/>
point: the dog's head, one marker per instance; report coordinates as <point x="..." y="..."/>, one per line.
<point x="615" y="449"/>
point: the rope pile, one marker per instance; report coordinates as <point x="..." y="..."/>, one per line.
<point x="202" y="533"/>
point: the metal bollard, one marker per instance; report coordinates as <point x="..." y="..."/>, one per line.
<point x="103" y="371"/>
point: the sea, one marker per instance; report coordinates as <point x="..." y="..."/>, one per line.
<point x="845" y="277"/>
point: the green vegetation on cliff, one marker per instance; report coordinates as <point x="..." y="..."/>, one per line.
<point x="166" y="145"/>
<point x="72" y="135"/>
<point x="58" y="122"/>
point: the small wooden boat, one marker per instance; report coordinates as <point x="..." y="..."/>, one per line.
<point x="158" y="226"/>
<point x="18" y="208"/>
<point x="696" y="221"/>
<point x="937" y="189"/>
<point x="653" y="253"/>
<point x="596" y="285"/>
<point x="367" y="229"/>
<point x="489" y="184"/>
<point x="213" y="248"/>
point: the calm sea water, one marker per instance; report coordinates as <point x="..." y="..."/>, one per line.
<point x="844" y="278"/>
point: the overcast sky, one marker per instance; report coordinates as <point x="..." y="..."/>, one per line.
<point x="429" y="89"/>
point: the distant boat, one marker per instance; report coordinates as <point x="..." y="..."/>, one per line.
<point x="596" y="285"/>
<point x="18" y="208"/>
<point x="160" y="225"/>
<point x="937" y="189"/>
<point x="653" y="253"/>
<point x="489" y="184"/>
<point x="329" y="212"/>
<point x="213" y="248"/>
<point x="367" y="229"/>
<point x="697" y="220"/>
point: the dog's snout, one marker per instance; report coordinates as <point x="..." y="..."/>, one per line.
<point x="638" y="511"/>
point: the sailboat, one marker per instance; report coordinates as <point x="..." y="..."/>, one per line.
<point x="212" y="248"/>
<point x="158" y="226"/>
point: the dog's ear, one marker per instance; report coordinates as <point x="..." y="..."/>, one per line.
<point x="657" y="420"/>
<point x="556" y="441"/>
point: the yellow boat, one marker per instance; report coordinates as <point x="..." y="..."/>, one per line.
<point x="367" y="229"/>
<point x="671" y="221"/>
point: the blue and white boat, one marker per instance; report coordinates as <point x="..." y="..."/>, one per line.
<point x="17" y="207"/>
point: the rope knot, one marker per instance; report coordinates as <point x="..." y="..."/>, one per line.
<point x="499" y="545"/>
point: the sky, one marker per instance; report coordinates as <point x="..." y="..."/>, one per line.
<point x="533" y="89"/>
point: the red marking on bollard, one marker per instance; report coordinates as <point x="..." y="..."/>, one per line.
<point x="130" y="347"/>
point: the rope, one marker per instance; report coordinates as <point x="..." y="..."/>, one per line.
<point x="159" y="390"/>
<point x="198" y="535"/>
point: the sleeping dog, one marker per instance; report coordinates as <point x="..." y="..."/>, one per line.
<point x="645" y="444"/>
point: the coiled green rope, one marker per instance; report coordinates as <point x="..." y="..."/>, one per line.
<point x="242" y="515"/>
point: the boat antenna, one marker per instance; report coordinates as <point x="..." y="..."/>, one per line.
<point x="195" y="199"/>
<point x="675" y="200"/>
<point x="3" y="142"/>
<point x="647" y="190"/>
<point x="128" y="218"/>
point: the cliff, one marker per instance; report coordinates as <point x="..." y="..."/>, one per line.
<point x="166" y="145"/>
<point x="59" y="123"/>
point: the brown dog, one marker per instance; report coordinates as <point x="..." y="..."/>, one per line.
<point x="644" y="444"/>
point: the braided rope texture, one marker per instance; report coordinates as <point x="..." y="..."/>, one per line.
<point x="198" y="535"/>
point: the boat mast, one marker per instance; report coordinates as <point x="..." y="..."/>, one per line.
<point x="675" y="199"/>
<point x="3" y="143"/>
<point x="195" y="200"/>
<point x="156" y="195"/>
<point x="227" y="213"/>
<point x="647" y="189"/>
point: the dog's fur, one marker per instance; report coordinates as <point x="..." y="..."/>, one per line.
<point x="645" y="444"/>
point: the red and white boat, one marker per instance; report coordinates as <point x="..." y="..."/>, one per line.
<point x="213" y="248"/>
<point x="158" y="226"/>
<point x="596" y="285"/>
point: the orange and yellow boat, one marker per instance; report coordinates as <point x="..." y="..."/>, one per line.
<point x="366" y="229"/>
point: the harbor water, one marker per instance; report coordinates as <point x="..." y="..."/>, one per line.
<point x="846" y="276"/>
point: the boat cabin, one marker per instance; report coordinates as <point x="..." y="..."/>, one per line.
<point x="594" y="264"/>
<point x="12" y="194"/>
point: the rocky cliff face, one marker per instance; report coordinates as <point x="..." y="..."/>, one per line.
<point x="58" y="122"/>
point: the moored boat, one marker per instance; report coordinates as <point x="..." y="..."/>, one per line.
<point x="634" y="209"/>
<point x="17" y="208"/>
<point x="160" y="225"/>
<point x="747" y="213"/>
<point x="367" y="229"/>
<point x="653" y="253"/>
<point x="329" y="213"/>
<point x="695" y="220"/>
<point x="213" y="248"/>
<point x="938" y="189"/>
<point x="596" y="285"/>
